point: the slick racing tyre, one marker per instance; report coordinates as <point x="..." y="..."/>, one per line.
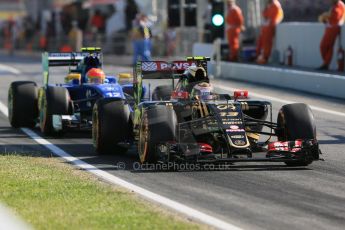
<point x="296" y="121"/>
<point x="112" y="126"/>
<point x="23" y="104"/>
<point x="53" y="101"/>
<point x="158" y="125"/>
<point x="162" y="93"/>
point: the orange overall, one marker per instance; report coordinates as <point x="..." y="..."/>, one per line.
<point x="335" y="20"/>
<point x="234" y="21"/>
<point x="273" y="15"/>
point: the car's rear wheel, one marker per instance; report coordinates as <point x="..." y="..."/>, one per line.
<point x="296" y="121"/>
<point x="158" y="125"/>
<point x="22" y="104"/>
<point x="162" y="93"/>
<point x="53" y="101"/>
<point x="112" y="126"/>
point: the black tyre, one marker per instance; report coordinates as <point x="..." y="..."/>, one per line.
<point x="158" y="125"/>
<point x="111" y="126"/>
<point x="23" y="104"/>
<point x="296" y="121"/>
<point x="162" y="93"/>
<point x="53" y="101"/>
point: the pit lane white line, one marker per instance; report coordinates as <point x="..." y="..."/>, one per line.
<point x="9" y="69"/>
<point x="181" y="208"/>
<point x="315" y="108"/>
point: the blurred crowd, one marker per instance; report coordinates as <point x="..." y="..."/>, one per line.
<point x="74" y="25"/>
<point x="272" y="15"/>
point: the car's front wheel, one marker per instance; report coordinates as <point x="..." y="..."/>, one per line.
<point x="53" y="101"/>
<point x="158" y="125"/>
<point x="296" y="121"/>
<point x="112" y="127"/>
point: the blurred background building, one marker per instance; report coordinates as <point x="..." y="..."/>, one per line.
<point x="175" y="24"/>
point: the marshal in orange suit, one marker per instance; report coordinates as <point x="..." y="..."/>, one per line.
<point x="235" y="25"/>
<point x="333" y="20"/>
<point x="273" y="14"/>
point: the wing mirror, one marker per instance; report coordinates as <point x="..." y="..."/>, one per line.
<point x="240" y="94"/>
<point x="179" y="95"/>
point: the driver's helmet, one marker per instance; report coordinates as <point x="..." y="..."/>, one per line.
<point x="202" y="91"/>
<point x="95" y="76"/>
<point x="196" y="74"/>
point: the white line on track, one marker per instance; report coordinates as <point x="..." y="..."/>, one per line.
<point x="315" y="108"/>
<point x="10" y="69"/>
<point x="181" y="208"/>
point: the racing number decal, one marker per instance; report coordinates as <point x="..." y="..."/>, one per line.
<point x="228" y="114"/>
<point x="226" y="106"/>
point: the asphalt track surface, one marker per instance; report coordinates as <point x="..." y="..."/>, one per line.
<point x="248" y="195"/>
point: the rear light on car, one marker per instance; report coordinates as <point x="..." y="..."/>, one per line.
<point x="205" y="148"/>
<point x="241" y="94"/>
<point x="179" y="95"/>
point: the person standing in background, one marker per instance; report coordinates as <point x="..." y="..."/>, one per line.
<point x="98" y="22"/>
<point x="235" y="24"/>
<point x="333" y="21"/>
<point x="75" y="37"/>
<point x="131" y="11"/>
<point x="273" y="15"/>
<point x="141" y="37"/>
<point x="29" y="31"/>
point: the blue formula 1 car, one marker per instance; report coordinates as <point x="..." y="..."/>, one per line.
<point x="65" y="106"/>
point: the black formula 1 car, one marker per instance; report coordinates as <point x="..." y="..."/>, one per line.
<point x="221" y="128"/>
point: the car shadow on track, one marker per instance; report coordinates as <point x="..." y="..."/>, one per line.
<point x="68" y="134"/>
<point x="129" y="161"/>
<point x="79" y="145"/>
<point x="195" y="167"/>
<point x="11" y="133"/>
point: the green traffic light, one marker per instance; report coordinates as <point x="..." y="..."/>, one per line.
<point x="218" y="20"/>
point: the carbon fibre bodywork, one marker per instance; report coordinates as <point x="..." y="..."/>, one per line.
<point x="223" y="129"/>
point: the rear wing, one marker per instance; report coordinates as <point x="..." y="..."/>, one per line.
<point x="165" y="70"/>
<point x="63" y="59"/>
<point x="162" y="70"/>
<point x="72" y="59"/>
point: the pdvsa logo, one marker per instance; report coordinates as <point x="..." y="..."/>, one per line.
<point x="149" y="66"/>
